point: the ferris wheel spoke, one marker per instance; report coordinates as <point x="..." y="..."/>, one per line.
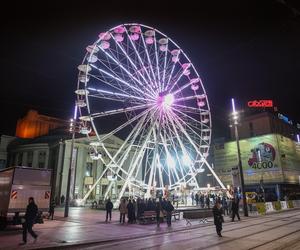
<point x="114" y="86"/>
<point x="173" y="121"/>
<point x="120" y="96"/>
<point x="135" y="131"/>
<point x="121" y="81"/>
<point x="134" y="65"/>
<point x="176" y="81"/>
<point x="150" y="63"/>
<point x="191" y="118"/>
<point x="118" y="111"/>
<point x="187" y="98"/>
<point x="142" y="151"/>
<point x="139" y="57"/>
<point x="164" y="69"/>
<point x="126" y="70"/>
<point x="157" y="63"/>
<point x="190" y="109"/>
<point x="198" y="151"/>
<point x="176" y="153"/>
<point x="190" y="128"/>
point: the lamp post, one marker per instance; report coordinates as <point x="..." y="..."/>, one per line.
<point x="235" y="120"/>
<point x="72" y="129"/>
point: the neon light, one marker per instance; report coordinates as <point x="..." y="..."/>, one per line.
<point x="233" y="106"/>
<point x="298" y="138"/>
<point x="260" y="104"/>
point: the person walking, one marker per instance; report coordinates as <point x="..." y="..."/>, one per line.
<point x="235" y="209"/>
<point x="225" y="205"/>
<point x="108" y="207"/>
<point x="159" y="213"/>
<point x="218" y="217"/>
<point x="123" y="211"/>
<point x="169" y="209"/>
<point x="30" y="216"/>
<point x="51" y="209"/>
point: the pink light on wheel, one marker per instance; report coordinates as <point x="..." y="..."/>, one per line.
<point x="104" y="45"/>
<point x="134" y="36"/>
<point x="186" y="65"/>
<point x="163" y="47"/>
<point x="119" y="37"/>
<point x="175" y="59"/>
<point x="194" y="87"/>
<point x="104" y="36"/>
<point x="135" y="29"/>
<point x="201" y="104"/>
<point x="149" y="40"/>
<point x="119" y="30"/>
<point x="186" y="72"/>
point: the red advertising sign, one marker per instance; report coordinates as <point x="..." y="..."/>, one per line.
<point x="260" y="104"/>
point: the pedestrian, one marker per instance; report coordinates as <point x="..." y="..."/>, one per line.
<point x="108" y="207"/>
<point x="135" y="210"/>
<point x="130" y="209"/>
<point x="218" y="217"/>
<point x="123" y="211"/>
<point x="51" y="209"/>
<point x="225" y="205"/>
<point x="235" y="209"/>
<point x="207" y="201"/>
<point x="30" y="216"/>
<point x="197" y="199"/>
<point x="169" y="209"/>
<point x="193" y="198"/>
<point x="159" y="213"/>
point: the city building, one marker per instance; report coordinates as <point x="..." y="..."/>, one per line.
<point x="35" y="124"/>
<point x="4" y="141"/>
<point x="270" y="155"/>
<point x="53" y="151"/>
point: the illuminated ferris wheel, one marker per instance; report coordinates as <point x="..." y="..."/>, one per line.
<point x="141" y="83"/>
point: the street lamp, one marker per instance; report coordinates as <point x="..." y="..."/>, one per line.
<point x="235" y="120"/>
<point x="72" y="129"/>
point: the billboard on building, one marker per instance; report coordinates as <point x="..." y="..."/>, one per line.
<point x="260" y="160"/>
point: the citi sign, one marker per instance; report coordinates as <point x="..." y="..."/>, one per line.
<point x="260" y="104"/>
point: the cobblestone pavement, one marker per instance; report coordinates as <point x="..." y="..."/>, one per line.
<point x="86" y="229"/>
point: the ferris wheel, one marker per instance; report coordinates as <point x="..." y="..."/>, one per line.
<point x="140" y="82"/>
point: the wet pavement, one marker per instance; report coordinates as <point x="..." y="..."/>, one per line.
<point x="86" y="229"/>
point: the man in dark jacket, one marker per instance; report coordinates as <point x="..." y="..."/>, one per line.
<point x="235" y="209"/>
<point x="30" y="216"/>
<point x="218" y="217"/>
<point x="169" y="208"/>
<point x="108" y="207"/>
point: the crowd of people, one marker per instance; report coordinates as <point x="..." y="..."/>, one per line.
<point x="134" y="209"/>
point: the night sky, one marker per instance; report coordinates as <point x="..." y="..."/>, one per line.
<point x="242" y="49"/>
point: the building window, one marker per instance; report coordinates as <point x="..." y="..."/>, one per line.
<point x="42" y="159"/>
<point x="89" y="169"/>
<point x="29" y="158"/>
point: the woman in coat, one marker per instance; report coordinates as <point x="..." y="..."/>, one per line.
<point x="123" y="210"/>
<point x="218" y="217"/>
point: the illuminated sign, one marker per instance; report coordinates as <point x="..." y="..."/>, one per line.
<point x="285" y="118"/>
<point x="260" y="104"/>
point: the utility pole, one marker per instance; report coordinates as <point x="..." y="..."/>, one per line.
<point x="73" y="130"/>
<point x="235" y="120"/>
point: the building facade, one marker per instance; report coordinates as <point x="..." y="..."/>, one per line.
<point x="269" y="162"/>
<point x="54" y="152"/>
